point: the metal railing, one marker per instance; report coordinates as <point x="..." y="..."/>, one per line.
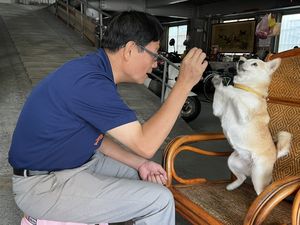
<point x="165" y="84"/>
<point x="75" y="16"/>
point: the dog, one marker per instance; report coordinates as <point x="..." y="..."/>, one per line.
<point x="242" y="110"/>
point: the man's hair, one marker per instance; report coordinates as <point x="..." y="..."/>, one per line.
<point x="139" y="27"/>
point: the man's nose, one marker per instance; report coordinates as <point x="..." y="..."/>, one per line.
<point x="154" y="65"/>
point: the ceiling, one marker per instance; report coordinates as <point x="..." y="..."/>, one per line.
<point x="213" y="7"/>
<point x="178" y="10"/>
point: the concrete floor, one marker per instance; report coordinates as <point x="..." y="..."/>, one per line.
<point x="34" y="42"/>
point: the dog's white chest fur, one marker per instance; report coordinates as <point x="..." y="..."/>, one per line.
<point x="240" y="112"/>
<point x="244" y="119"/>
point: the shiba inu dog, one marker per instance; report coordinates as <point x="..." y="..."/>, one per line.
<point x="242" y="109"/>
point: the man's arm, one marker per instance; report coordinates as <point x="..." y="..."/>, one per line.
<point x="148" y="170"/>
<point x="114" y="150"/>
<point x="145" y="139"/>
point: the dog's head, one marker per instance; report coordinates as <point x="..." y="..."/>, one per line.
<point x="255" y="72"/>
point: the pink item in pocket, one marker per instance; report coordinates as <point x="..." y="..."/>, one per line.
<point x="31" y="221"/>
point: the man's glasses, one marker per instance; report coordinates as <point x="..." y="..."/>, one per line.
<point x="155" y="56"/>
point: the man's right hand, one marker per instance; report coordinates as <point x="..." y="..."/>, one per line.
<point x="192" y="67"/>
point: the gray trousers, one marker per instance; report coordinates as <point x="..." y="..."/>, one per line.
<point x="102" y="190"/>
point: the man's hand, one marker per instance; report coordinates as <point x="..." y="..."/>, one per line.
<point x="153" y="172"/>
<point x="192" y="67"/>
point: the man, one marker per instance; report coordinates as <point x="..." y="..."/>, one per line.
<point x="75" y="111"/>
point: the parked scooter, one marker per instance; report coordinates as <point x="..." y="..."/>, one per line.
<point x="168" y="71"/>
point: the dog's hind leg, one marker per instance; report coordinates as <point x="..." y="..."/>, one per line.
<point x="240" y="168"/>
<point x="261" y="174"/>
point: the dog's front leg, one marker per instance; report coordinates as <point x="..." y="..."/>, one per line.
<point x="218" y="102"/>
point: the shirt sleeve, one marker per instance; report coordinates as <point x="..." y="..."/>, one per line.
<point x="96" y="101"/>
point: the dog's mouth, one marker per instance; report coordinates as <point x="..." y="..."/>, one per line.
<point x="240" y="66"/>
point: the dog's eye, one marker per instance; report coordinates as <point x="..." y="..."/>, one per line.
<point x="254" y="64"/>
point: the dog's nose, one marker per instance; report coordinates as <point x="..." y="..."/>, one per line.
<point x="241" y="62"/>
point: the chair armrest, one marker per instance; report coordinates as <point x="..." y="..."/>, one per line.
<point x="179" y="144"/>
<point x="296" y="209"/>
<point x="271" y="197"/>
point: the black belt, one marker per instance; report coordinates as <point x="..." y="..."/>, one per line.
<point x="34" y="221"/>
<point x="28" y="173"/>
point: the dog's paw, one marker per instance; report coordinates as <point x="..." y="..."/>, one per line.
<point x="235" y="184"/>
<point x="216" y="80"/>
<point x="230" y="187"/>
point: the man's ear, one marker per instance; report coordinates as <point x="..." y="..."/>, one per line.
<point x="128" y="48"/>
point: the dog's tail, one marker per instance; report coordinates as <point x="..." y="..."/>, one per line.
<point x="283" y="143"/>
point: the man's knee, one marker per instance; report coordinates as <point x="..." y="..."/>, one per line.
<point x="165" y="197"/>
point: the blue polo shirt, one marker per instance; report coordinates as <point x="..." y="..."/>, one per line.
<point x="62" y="119"/>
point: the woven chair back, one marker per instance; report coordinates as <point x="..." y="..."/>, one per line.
<point x="284" y="109"/>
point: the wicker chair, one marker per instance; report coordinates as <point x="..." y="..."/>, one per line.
<point x="203" y="201"/>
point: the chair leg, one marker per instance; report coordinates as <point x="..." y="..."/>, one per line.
<point x="26" y="220"/>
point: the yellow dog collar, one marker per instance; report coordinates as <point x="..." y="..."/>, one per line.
<point x="248" y="89"/>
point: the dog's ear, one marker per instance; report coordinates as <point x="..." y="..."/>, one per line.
<point x="274" y="64"/>
<point x="242" y="58"/>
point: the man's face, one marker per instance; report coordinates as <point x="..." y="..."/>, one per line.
<point x="144" y="59"/>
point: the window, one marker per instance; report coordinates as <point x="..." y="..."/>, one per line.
<point x="290" y="32"/>
<point x="179" y="35"/>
